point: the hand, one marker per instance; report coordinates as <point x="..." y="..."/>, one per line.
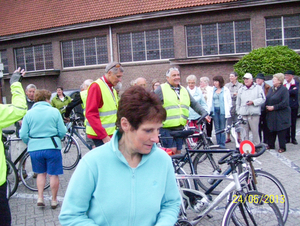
<point x="270" y="108"/>
<point x="106" y="139"/>
<point x="249" y="102"/>
<point x="66" y="119"/>
<point x="16" y="76"/>
<point x="208" y="119"/>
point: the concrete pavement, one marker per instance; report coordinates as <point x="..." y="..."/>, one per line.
<point x="285" y="166"/>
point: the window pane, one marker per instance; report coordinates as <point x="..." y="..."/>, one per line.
<point x="48" y="56"/>
<point x="274" y="34"/>
<point x="78" y="52"/>
<point x="4" y="60"/>
<point x="293" y="43"/>
<point x="102" y="54"/>
<point x="209" y="32"/>
<point x="90" y="51"/>
<point x="274" y="43"/>
<point x="292" y="32"/>
<point x="125" y="47"/>
<point x="39" y="57"/>
<point x="67" y="54"/>
<point x="20" y="58"/>
<point x="273" y="22"/>
<point x="194" y="40"/>
<point x="29" y="59"/>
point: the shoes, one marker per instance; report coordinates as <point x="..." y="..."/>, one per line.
<point x="54" y="204"/>
<point x="227" y="141"/>
<point x="239" y="140"/>
<point x="281" y="150"/>
<point x="294" y="142"/>
<point x="34" y="175"/>
<point x="40" y="202"/>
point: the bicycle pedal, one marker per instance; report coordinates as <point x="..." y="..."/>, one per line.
<point x="210" y="216"/>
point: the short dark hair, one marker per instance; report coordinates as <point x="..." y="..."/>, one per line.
<point x="220" y="79"/>
<point x="42" y="95"/>
<point x="138" y="105"/>
<point x="234" y="73"/>
<point x="60" y="87"/>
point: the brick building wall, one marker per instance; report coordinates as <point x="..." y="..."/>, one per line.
<point x="72" y="78"/>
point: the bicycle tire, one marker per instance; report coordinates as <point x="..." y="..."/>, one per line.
<point x="269" y="185"/>
<point x="259" y="212"/>
<point x="27" y="175"/>
<point x="71" y="153"/>
<point x="203" y="165"/>
<point x="11" y="178"/>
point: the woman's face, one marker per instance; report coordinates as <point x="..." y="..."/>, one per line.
<point x="141" y="140"/>
<point x="191" y="84"/>
<point x="59" y="92"/>
<point x="156" y="85"/>
<point x="217" y="84"/>
<point x="276" y="82"/>
<point x="203" y="84"/>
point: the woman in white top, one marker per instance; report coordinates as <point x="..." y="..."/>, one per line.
<point x="219" y="105"/>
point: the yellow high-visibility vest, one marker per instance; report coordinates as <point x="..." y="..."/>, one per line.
<point x="108" y="112"/>
<point x="177" y="109"/>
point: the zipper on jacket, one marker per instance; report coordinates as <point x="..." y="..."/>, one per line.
<point x="132" y="207"/>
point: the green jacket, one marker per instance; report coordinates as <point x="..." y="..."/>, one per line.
<point x="10" y="113"/>
<point x="59" y="104"/>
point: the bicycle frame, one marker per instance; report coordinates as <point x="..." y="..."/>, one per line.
<point x="232" y="186"/>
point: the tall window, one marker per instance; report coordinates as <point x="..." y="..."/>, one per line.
<point x="34" y="58"/>
<point x="218" y="38"/>
<point x="84" y="52"/>
<point x="146" y="45"/>
<point x="3" y="59"/>
<point x="284" y="30"/>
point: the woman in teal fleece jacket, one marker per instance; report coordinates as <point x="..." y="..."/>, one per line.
<point x="129" y="180"/>
<point x="42" y="130"/>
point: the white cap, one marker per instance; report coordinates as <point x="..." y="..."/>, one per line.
<point x="248" y="75"/>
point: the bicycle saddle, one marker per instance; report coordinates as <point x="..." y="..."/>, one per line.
<point x="181" y="134"/>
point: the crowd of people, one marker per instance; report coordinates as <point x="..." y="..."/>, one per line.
<point x="124" y="130"/>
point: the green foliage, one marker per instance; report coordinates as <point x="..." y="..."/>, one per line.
<point x="269" y="60"/>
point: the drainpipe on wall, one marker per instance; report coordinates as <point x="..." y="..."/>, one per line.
<point x="111" y="45"/>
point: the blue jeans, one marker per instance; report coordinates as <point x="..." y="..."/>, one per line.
<point x="220" y="123"/>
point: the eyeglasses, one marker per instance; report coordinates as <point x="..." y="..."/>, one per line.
<point x="117" y="65"/>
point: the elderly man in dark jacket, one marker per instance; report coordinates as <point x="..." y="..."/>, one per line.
<point x="293" y="87"/>
<point x="278" y="112"/>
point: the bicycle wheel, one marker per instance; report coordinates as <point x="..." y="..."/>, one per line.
<point x="27" y="175"/>
<point x="11" y="178"/>
<point x="70" y="152"/>
<point x="271" y="186"/>
<point x="207" y="164"/>
<point x="253" y="209"/>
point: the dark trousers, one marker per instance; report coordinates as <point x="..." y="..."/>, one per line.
<point x="291" y="132"/>
<point x="263" y="129"/>
<point x="209" y="127"/>
<point x="5" y="217"/>
<point x="281" y="138"/>
<point x="97" y="142"/>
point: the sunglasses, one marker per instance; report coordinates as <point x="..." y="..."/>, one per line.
<point x="117" y="65"/>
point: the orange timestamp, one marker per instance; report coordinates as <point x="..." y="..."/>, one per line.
<point x="256" y="199"/>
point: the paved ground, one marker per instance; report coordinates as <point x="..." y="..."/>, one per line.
<point x="285" y="166"/>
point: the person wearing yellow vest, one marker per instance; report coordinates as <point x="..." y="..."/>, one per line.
<point x="80" y="99"/>
<point x="10" y="113"/>
<point x="102" y="104"/>
<point x="176" y="100"/>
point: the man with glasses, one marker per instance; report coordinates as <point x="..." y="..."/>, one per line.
<point x="176" y="100"/>
<point x="102" y="104"/>
<point x="249" y="99"/>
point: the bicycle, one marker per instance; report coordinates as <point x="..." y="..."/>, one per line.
<point x="267" y="183"/>
<point x="71" y="151"/>
<point x="24" y="172"/>
<point x="241" y="210"/>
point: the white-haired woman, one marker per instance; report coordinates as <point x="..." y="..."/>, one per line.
<point x="278" y="112"/>
<point x="195" y="92"/>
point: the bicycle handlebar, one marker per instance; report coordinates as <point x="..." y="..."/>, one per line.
<point x="261" y="147"/>
<point x="201" y="119"/>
